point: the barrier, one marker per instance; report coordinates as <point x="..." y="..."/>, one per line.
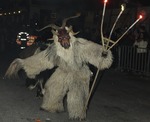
<point x="127" y="58"/>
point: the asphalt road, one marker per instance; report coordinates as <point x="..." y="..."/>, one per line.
<point x="118" y="97"/>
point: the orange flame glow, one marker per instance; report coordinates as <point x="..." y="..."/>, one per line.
<point x="105" y="1"/>
<point x="140" y="16"/>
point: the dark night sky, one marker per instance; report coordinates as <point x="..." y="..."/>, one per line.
<point x="74" y="3"/>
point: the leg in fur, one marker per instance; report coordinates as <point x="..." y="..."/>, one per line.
<point x="40" y="88"/>
<point x="55" y="90"/>
<point x="77" y="97"/>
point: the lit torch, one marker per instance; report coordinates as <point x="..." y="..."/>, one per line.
<point x="140" y="17"/>
<point x="105" y="1"/>
<point x="108" y="40"/>
<point x="122" y="9"/>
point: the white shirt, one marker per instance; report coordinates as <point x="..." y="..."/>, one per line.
<point x="141" y="46"/>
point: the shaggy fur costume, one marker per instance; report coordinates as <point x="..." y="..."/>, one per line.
<point x="41" y="78"/>
<point x="72" y="76"/>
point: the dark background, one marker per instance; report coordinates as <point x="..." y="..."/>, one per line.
<point x="91" y="4"/>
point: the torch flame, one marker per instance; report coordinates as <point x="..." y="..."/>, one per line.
<point x="140" y="16"/>
<point x="105" y="1"/>
<point x="107" y="40"/>
<point x="122" y="7"/>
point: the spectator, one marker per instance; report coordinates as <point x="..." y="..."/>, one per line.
<point x="141" y="40"/>
<point x="141" y="44"/>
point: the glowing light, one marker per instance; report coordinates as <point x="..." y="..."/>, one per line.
<point x="124" y="33"/>
<point x="103" y="14"/>
<point x="122" y="7"/>
<point x="105" y="1"/>
<point x="10" y="13"/>
<point x="140" y="16"/>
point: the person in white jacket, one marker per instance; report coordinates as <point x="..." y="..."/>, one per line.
<point x="141" y="40"/>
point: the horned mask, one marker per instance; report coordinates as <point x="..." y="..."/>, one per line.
<point x="62" y="32"/>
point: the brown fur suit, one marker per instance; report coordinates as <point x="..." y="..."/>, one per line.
<point x="72" y="76"/>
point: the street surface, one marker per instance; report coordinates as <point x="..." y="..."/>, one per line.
<point x="118" y="97"/>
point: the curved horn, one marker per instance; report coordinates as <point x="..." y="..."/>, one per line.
<point x="50" y="26"/>
<point x="75" y="33"/>
<point x="65" y="20"/>
<point x="54" y="32"/>
<point x="71" y="30"/>
<point x="57" y="27"/>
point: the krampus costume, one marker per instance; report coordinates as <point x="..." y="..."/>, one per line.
<point x="71" y="55"/>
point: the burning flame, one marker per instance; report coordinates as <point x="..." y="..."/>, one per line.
<point x="140" y="16"/>
<point x="105" y="1"/>
<point x="122" y="7"/>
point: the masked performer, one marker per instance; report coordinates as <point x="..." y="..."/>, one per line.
<point x="71" y="78"/>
